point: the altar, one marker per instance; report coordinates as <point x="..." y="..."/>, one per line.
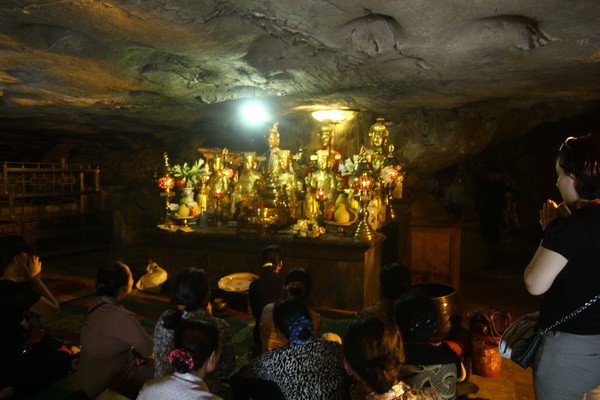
<point x="345" y="270"/>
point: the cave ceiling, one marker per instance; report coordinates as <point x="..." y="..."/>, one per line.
<point x="87" y="67"/>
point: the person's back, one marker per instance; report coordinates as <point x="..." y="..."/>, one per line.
<point x="374" y="356"/>
<point x="298" y="283"/>
<point x="268" y="288"/>
<point x="109" y="335"/>
<point x="194" y="354"/>
<point x="394" y="280"/>
<point x="191" y="294"/>
<point x="307" y="367"/>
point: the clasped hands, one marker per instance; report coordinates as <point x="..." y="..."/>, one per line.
<point x="550" y="210"/>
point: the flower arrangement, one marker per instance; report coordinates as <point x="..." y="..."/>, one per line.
<point x="188" y="175"/>
<point x="347" y="167"/>
<point x="307" y="228"/>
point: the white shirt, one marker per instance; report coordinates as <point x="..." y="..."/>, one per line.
<point x="176" y="386"/>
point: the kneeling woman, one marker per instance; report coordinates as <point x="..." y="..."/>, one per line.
<point x="374" y="356"/>
<point x="194" y="356"/>
<point x="305" y="368"/>
<point x="111" y="338"/>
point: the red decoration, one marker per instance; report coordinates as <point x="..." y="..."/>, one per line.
<point x="363" y="183"/>
<point x="166" y="182"/>
<point x="320" y="194"/>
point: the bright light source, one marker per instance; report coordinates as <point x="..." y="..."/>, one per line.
<point x="254" y="113"/>
<point x="332" y="115"/>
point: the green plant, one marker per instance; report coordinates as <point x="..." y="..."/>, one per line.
<point x="188" y="174"/>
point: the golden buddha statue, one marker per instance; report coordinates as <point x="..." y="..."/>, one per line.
<point x="288" y="182"/>
<point x="217" y="187"/>
<point x="326" y="140"/>
<point x="266" y="166"/>
<point x="321" y="186"/>
<point x="378" y="134"/>
<point x="250" y="183"/>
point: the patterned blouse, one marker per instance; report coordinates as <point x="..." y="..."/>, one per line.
<point x="310" y="370"/>
<point x="401" y="391"/>
<point x="163" y="344"/>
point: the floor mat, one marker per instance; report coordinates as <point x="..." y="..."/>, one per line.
<point x="68" y="287"/>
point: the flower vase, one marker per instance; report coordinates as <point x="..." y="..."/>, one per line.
<point x="187" y="195"/>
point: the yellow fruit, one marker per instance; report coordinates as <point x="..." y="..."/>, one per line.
<point x="183" y="211"/>
<point x="341" y="199"/>
<point x="341" y="215"/>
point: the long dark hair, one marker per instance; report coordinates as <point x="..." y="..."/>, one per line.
<point x="190" y="290"/>
<point x="199" y="339"/>
<point x="373" y="348"/>
<point x="579" y="157"/>
<point x="298" y="283"/>
<point x="110" y="278"/>
<point x="292" y="317"/>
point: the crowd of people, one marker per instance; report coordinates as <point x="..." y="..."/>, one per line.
<point x="386" y="353"/>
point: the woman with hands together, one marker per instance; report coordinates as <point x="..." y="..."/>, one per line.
<point x="22" y="295"/>
<point x="566" y="269"/>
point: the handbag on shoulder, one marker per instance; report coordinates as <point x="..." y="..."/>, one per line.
<point x="520" y="341"/>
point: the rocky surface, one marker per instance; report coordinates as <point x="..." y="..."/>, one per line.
<point x="441" y="70"/>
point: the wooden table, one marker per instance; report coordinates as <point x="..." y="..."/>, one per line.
<point x="345" y="270"/>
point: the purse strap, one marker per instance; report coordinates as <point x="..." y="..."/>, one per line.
<point x="569" y="316"/>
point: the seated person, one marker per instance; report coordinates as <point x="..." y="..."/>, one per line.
<point x="194" y="355"/>
<point x="268" y="288"/>
<point x="305" y="368"/>
<point x="394" y="280"/>
<point x="190" y="299"/>
<point x="112" y="338"/>
<point x="373" y="355"/>
<point x="431" y="364"/>
<point x="23" y="294"/>
<point x="298" y="283"/>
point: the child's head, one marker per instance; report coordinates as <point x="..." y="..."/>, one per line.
<point x="298" y="283"/>
<point x="373" y="352"/>
<point x="416" y="316"/>
<point x="292" y="318"/>
<point x="114" y="279"/>
<point x="196" y="344"/>
<point x="272" y="258"/>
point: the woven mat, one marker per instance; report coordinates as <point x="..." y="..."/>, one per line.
<point x="68" y="287"/>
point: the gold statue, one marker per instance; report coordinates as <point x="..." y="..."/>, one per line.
<point x="250" y="183"/>
<point x="378" y="136"/>
<point x="288" y="182"/>
<point x="266" y="167"/>
<point x="321" y="184"/>
<point x="326" y="140"/>
<point x="217" y="187"/>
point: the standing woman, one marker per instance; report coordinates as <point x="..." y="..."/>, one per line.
<point x="566" y="268"/>
<point x="109" y="337"/>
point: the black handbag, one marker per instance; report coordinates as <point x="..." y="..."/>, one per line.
<point x="520" y="341"/>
